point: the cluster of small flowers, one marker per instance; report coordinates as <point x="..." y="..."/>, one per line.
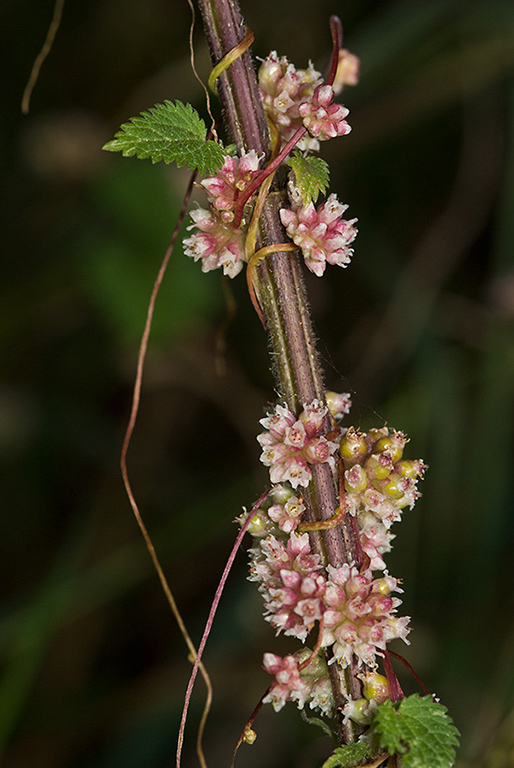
<point x="355" y="609"/>
<point x="291" y="98"/>
<point x="295" y="97"/>
<point x="282" y="89"/>
<point x="290" y="581"/>
<point x="215" y="240"/>
<point x="291" y="444"/>
<point x="360" y="614"/>
<point x="379" y="483"/>
<point x="293" y="682"/>
<point x="321" y="233"/>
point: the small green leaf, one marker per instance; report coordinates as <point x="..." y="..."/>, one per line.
<point x="419" y="729"/>
<point x="173" y="132"/>
<point x="349" y="755"/>
<point x="311" y="175"/>
<point x="320" y="723"/>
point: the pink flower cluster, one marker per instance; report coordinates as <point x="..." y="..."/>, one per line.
<point x="283" y="88"/>
<point x="215" y="241"/>
<point x="322" y="118"/>
<point x="379" y="484"/>
<point x="233" y="178"/>
<point x="290" y="444"/>
<point x="354" y="611"/>
<point x="291" y="583"/>
<point x="288" y="685"/>
<point x="321" y="233"/>
<point x="295" y="97"/>
<point x="360" y="614"/>
<point x="301" y="685"/>
<point x="357" y="608"/>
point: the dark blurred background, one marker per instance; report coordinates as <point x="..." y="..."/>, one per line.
<point x="419" y="329"/>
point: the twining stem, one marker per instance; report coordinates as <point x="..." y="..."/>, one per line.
<point x="214" y="607"/>
<point x="229" y="58"/>
<point x="336" y="30"/>
<point x="270" y="168"/>
<point x="279" y="285"/>
<point x="126" y="481"/>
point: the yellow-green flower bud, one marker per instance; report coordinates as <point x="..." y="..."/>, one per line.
<point x="383" y="586"/>
<point x="249" y="736"/>
<point x="260" y="524"/>
<point x="411" y="468"/>
<point x="353" y="447"/>
<point x="375" y="687"/>
<point x="376" y="433"/>
<point x="392" y="445"/>
<point x="357" y="710"/>
<point x="379" y="465"/>
<point x="391" y="486"/>
<point x="355" y="479"/>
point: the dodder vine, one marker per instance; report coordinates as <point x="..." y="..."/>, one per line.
<point x="321" y="534"/>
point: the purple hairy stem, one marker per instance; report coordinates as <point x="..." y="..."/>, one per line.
<point x="280" y="287"/>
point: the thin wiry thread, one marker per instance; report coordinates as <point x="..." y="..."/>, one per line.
<point x="210" y="618"/>
<point x="136" y="396"/>
<point x="43" y="53"/>
<point x="193" y="67"/>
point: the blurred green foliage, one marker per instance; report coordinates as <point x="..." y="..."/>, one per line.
<point x="420" y="328"/>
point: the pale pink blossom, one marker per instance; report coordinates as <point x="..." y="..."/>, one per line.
<point x="225" y="187"/>
<point x="288" y="684"/>
<point x="272" y="556"/>
<point x="375" y="539"/>
<point x="338" y="403"/>
<point x="322" y="234"/>
<point x="360" y="614"/>
<point x="291" y="583"/>
<point x="283" y="88"/>
<point x="323" y="118"/>
<point x="290" y="445"/>
<point x="288" y="515"/>
<point x="294" y="608"/>
<point x="310" y="684"/>
<point x="215" y="243"/>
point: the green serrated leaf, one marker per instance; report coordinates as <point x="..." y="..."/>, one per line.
<point x="173" y="132"/>
<point x="419" y="729"/>
<point x="311" y="175"/>
<point x="348" y="755"/>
